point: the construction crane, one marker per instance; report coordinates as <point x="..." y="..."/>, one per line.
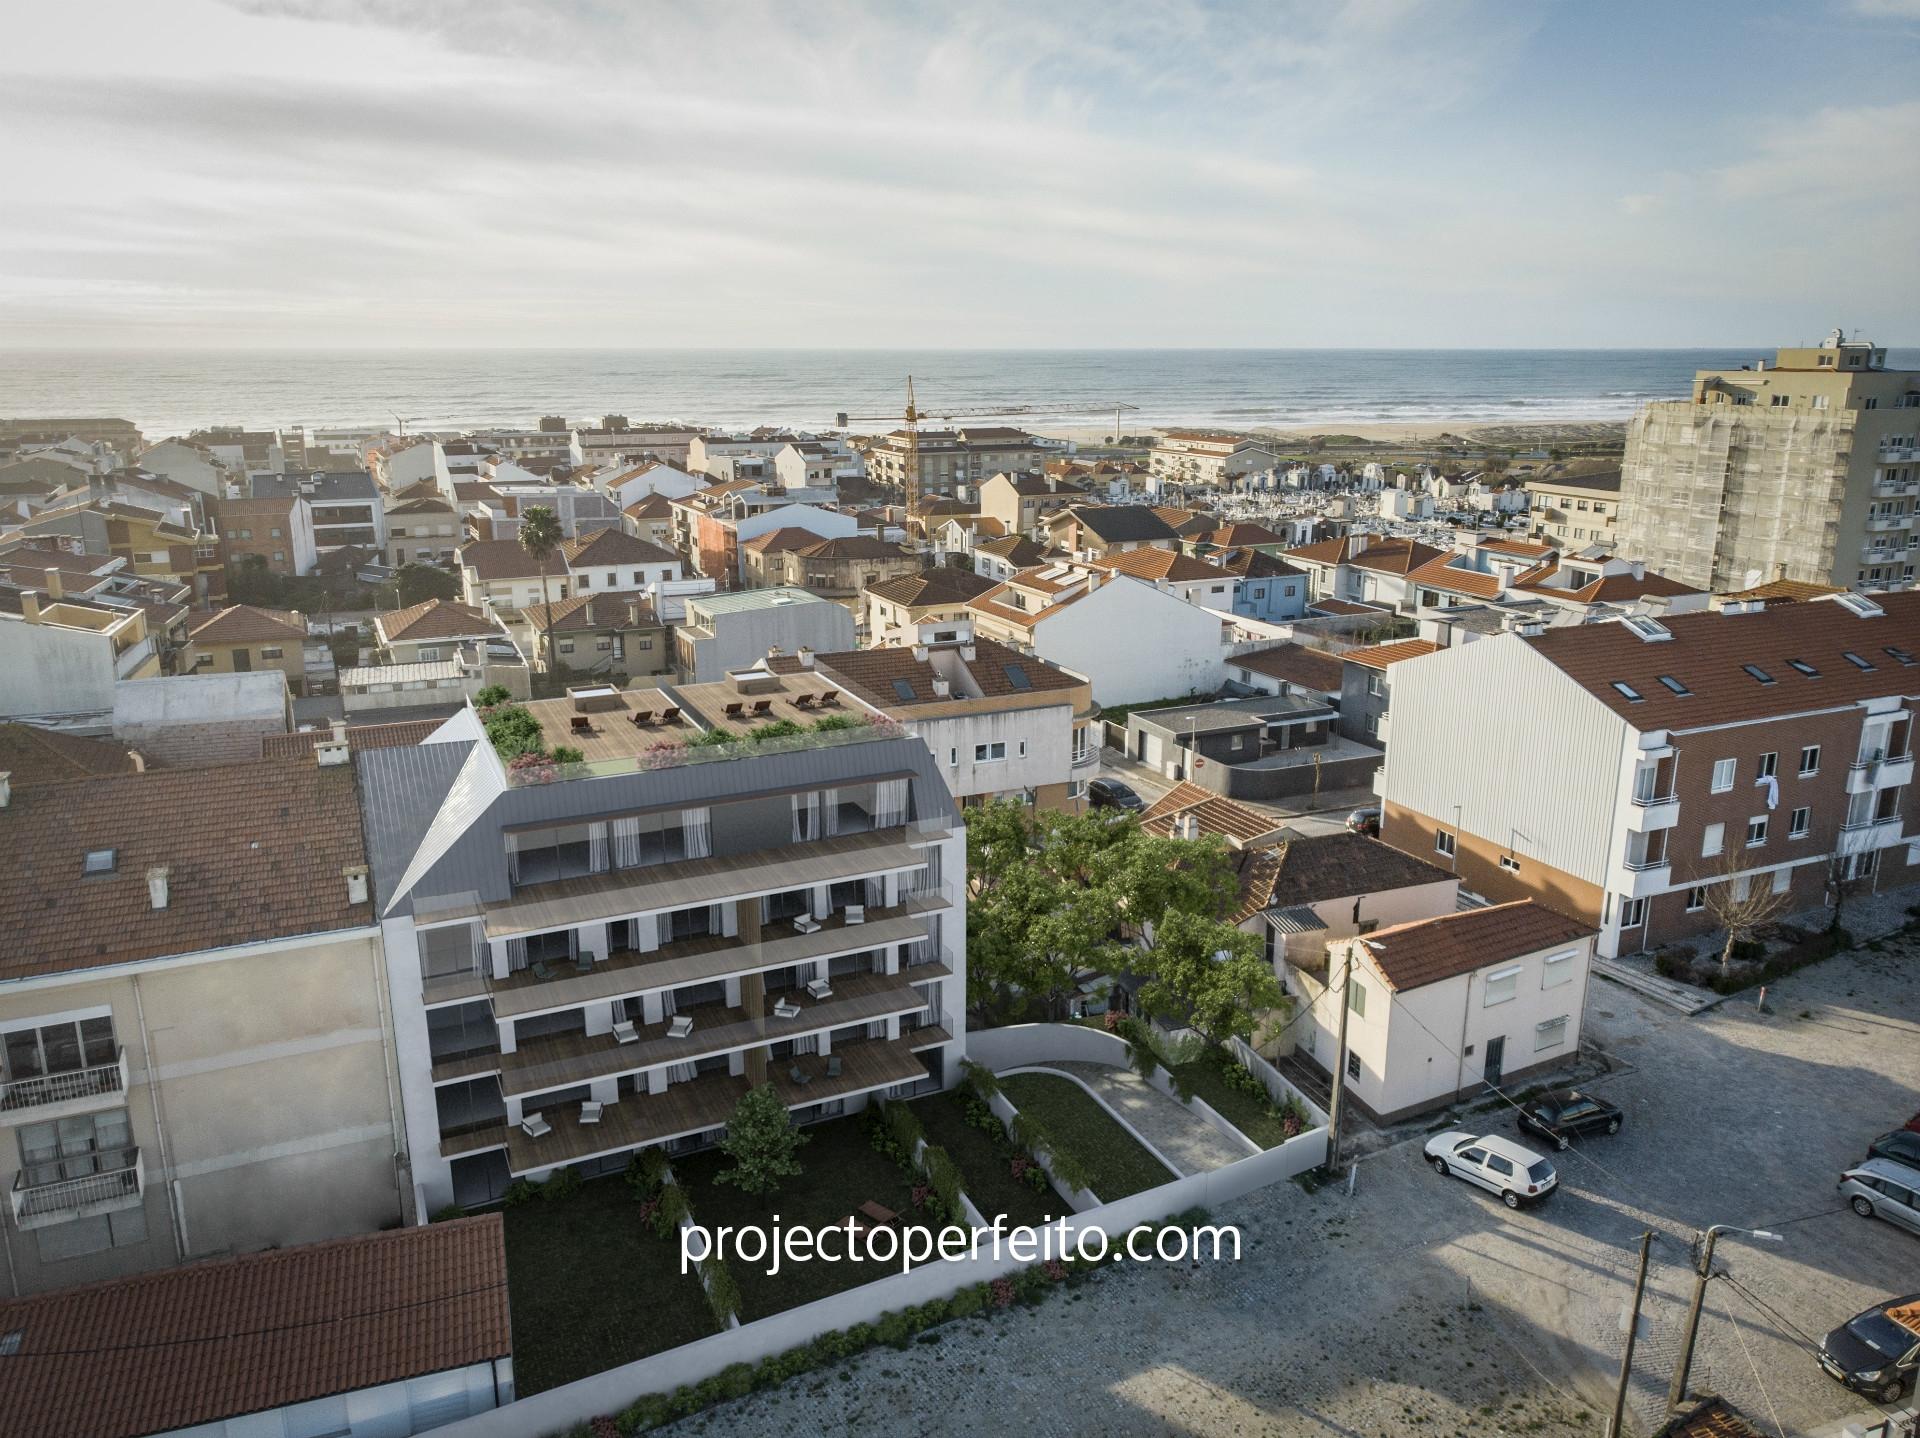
<point x="403" y="422"/>
<point x="914" y="414"/>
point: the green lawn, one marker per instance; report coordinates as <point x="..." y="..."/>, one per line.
<point x="983" y="1164"/>
<point x="591" y="1287"/>
<point x="1119" y="1166"/>
<point x="841" y="1171"/>
<point x="1207" y="1074"/>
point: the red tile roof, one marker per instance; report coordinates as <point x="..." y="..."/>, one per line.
<point x="1385" y="554"/>
<point x="247" y="624"/>
<point x="1783" y="591"/>
<point x="1233" y="821"/>
<point x="1381" y="655"/>
<point x="1346" y="865"/>
<point x="494" y="559"/>
<point x="436" y="619"/>
<point x="201" y="1342"/>
<point x="614" y="546"/>
<point x="1428" y="951"/>
<point x="1157" y="564"/>
<point x="46" y="756"/>
<point x="1296" y="664"/>
<point x="1444" y="573"/>
<point x="402" y="734"/>
<point x="944" y="585"/>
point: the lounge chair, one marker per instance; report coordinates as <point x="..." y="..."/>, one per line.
<point x="856" y="913"/>
<point x="583" y="963"/>
<point x="762" y="707"/>
<point x="820" y="988"/>
<point x="541" y="969"/>
<point x="831" y="698"/>
<point x="800" y="1079"/>
<point x="806" y="923"/>
<point x="534" y="1126"/>
<point x="833" y="1065"/>
<point x="803" y="701"/>
<point x="681" y="1026"/>
<point x="734" y="710"/>
<point x="787" y="1009"/>
<point x="670" y="715"/>
<point x="625" y="1032"/>
<point x="879" y="1215"/>
<point x="640" y="718"/>
<point x="580" y="724"/>
<point x="590" y="1111"/>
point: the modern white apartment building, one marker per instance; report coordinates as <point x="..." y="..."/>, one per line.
<point x="1195" y="458"/>
<point x="587" y="964"/>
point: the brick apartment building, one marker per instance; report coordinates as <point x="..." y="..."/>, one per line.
<point x="1615" y="771"/>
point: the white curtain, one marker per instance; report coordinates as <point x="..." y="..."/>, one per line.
<point x="876" y="893"/>
<point x="698" y="827"/>
<point x="716" y="919"/>
<point x="889" y="803"/>
<point x="626" y="843"/>
<point x="667" y="1009"/>
<point x="830" y="811"/>
<point x="597" y="848"/>
<point x="806" y="1044"/>
<point x="663" y="926"/>
<point x="482" y="953"/>
<point x="513" y="858"/>
<point x="806" y="816"/>
<point x="680" y="1073"/>
<point x="516" y="955"/>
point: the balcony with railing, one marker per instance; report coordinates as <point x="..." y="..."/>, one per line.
<point x="1887" y="523"/>
<point x="46" y="1096"/>
<point x="1894" y="488"/>
<point x="117" y="1182"/>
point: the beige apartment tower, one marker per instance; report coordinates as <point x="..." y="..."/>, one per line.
<point x="1803" y="469"/>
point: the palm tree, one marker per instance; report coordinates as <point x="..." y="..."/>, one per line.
<point x="540" y="537"/>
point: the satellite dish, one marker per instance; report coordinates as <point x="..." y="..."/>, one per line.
<point x="1753" y="579"/>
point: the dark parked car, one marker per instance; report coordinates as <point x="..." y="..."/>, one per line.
<point x="1558" y="1117"/>
<point x="1112" y="794"/>
<point x="1902" y="1146"/>
<point x="1365" y="821"/>
<point x="1876" y="1353"/>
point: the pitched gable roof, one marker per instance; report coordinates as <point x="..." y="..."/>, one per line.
<point x="495" y="559"/>
<point x="1121" y="523"/>
<point x="1161" y="564"/>
<point x="247" y="624"/>
<point x="32" y="755"/>
<point x="436" y="619"/>
<point x="943" y="585"/>
<point x="614" y="546"/>
<point x="1237" y="823"/>
<point x="1379" y="656"/>
<point x="1296" y="664"/>
<point x="1318" y="867"/>
<point x="1428" y="951"/>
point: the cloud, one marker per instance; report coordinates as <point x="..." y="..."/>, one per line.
<point x="1833" y="156"/>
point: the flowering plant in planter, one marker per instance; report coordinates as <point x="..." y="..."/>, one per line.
<point x="1002" y="1292"/>
<point x="532" y="769"/>
<point x="885" y="726"/>
<point x="664" y="755"/>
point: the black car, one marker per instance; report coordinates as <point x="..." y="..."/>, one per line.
<point x="1901" y="1146"/>
<point x="1876" y="1353"/>
<point x="1112" y="794"/>
<point x="1558" y="1117"/>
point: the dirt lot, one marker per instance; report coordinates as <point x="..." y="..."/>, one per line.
<point x="1422" y="1306"/>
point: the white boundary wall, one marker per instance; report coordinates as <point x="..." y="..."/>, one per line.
<point x="1027" y="1045"/>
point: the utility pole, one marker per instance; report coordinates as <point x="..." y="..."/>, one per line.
<point x="1339" y="1068"/>
<point x="1682" y="1370"/>
<point x="1633" y="1330"/>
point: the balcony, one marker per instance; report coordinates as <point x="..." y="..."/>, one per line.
<point x="1649" y="813"/>
<point x="1087" y="758"/>
<point x="48" y="1096"/>
<point x="119" y="1184"/>
<point x="1887" y="523"/>
<point x="1895" y="488"/>
<point x="627" y="973"/>
<point x="694" y="1105"/>
<point x="568" y="1059"/>
<point x="1881" y="554"/>
<point x="1898" y="453"/>
<point x="1875" y="770"/>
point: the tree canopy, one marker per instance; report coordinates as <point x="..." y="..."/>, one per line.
<point x="1208" y="975"/>
<point x="762" y="1142"/>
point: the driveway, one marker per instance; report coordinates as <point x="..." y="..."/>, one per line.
<point x="1420" y="1305"/>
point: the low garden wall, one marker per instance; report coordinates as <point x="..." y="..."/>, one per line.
<point x="1026" y="1045"/>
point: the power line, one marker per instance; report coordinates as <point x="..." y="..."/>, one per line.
<point x="1758" y="1382"/>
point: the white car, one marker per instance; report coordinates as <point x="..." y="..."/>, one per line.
<point x="1499" y="1165"/>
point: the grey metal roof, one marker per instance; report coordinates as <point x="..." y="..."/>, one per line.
<point x="749" y="599"/>
<point x="1233" y="713"/>
<point x="401" y="792"/>
<point x="1297" y="919"/>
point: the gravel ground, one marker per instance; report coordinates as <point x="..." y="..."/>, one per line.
<point x="1422" y="1306"/>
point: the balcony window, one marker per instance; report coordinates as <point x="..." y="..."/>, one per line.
<point x="543" y="1026"/>
<point x="464" y="1107"/>
<point x="450" y="952"/>
<point x="76" y="1147"/>
<point x="62" y="1048"/>
<point x="556" y="946"/>
<point x="458" y="1030"/>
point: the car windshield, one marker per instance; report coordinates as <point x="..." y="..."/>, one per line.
<point x="1540" y="1172"/>
<point x="1882" y="1334"/>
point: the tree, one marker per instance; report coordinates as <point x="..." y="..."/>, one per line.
<point x="1209" y="975"/>
<point x="762" y="1142"/>
<point x="1743" y="907"/>
<point x="417" y="583"/>
<point x="1844" y="875"/>
<point x="540" y="537"/>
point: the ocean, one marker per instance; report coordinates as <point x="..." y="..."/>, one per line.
<point x="168" y="392"/>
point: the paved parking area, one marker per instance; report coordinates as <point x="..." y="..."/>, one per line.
<point x="1420" y="1305"/>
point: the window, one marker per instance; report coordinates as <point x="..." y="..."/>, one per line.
<point x="1782" y="880"/>
<point x="1758" y="673"/>
<point x="1376" y="685"/>
<point x="1768" y="766"/>
<point x="1357" y="997"/>
<point x="99" y="861"/>
<point x="583" y="581"/>
<point x="58" y="1048"/>
<point x="1723" y="775"/>
<point x="1632" y="695"/>
<point x="1712" y="840"/>
<point x="1798" y="823"/>
<point x="1443" y="843"/>
<point x="1550" y="1035"/>
<point x="1675" y="685"/>
<point x="989" y="753"/>
<point x="1756" y="832"/>
<point x="1633" y="913"/>
<point x="1803" y="667"/>
<point x="1510" y="863"/>
<point x="1502" y="984"/>
<point x="1353" y="1066"/>
<point x="272" y="653"/>
<point x="1809" y="760"/>
<point x="1696" y="898"/>
<point x="1557" y="970"/>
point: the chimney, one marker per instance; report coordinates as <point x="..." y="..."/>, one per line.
<point x="968" y="653"/>
<point x="138" y="760"/>
<point x="356" y="876"/>
<point x="29" y="605"/>
<point x="805" y="656"/>
<point x="55" y="589"/>
<point x="919" y="654"/>
<point x="942" y="688"/>
<point x="1186" y="826"/>
<point x="157" y="885"/>
<point x="339" y="731"/>
<point x="6" y="787"/>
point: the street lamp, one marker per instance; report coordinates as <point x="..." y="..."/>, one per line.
<point x="1677" y="1393"/>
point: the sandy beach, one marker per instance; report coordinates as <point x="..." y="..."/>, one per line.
<point x="1400" y="432"/>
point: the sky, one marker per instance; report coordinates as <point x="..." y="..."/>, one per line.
<point x="966" y="173"/>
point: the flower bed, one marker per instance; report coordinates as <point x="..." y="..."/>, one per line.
<point x="1239" y="1098"/>
<point x="1115" y="1164"/>
<point x="986" y="1158"/>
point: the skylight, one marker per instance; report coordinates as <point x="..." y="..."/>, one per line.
<point x="1017" y="677"/>
<point x="1652" y="631"/>
<point x="1804" y="667"/>
<point x="1674" y="684"/>
<point x="1855" y="660"/>
<point x="1898" y="653"/>
<point x="903" y="689"/>
<point x="1859" y="604"/>
<point x="1758" y="673"/>
<point x="99" y="861"/>
<point x="1633" y="695"/>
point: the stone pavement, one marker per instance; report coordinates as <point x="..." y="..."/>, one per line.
<point x="1185" y="1139"/>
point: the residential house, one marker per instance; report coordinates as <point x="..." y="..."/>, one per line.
<point x="1270" y="590"/>
<point x="955" y="460"/>
<point x="1070" y="618"/>
<point x="1289" y="667"/>
<point x="1198" y="458"/>
<point x="500" y="574"/>
<point x="763" y="559"/>
<point x="1261" y="747"/>
<point x="711" y="526"/>
<point x="651" y="519"/>
<point x="613" y="561"/>
<point x="609" y="961"/>
<point x="1366" y="686"/>
<point x="154" y="545"/>
<point x="652" y="479"/>
<point x="422" y="531"/>
<point x="1238" y="536"/>
<point x="999" y="724"/>
<point x="1574" y="511"/>
<point x="187" y="463"/>
<point x="193" y="1018"/>
<point x="1000" y="559"/>
<point x="191" y="720"/>
<point x="432" y="632"/>
<point x="1171" y="572"/>
<point x="1585" y="582"/>
<point x="272" y="528"/>
<point x="30" y="755"/>
<point x="1443" y="1008"/>
<point x="1365" y="569"/>
<point x="929" y="600"/>
<point x="243" y="638"/>
<point x="841" y="568"/>
<point x="724" y="632"/>
<point x="604" y="633"/>
<point x="289" y="1342"/>
<point x="1088" y="531"/>
<point x="1743" y="746"/>
<point x="1022" y="503"/>
<point x="816" y="464"/>
<point x="666" y="442"/>
<point x="64" y="656"/>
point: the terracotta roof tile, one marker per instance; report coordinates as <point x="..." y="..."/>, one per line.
<point x="254" y="852"/>
<point x="1444" y="573"/>
<point x="1157" y="564"/>
<point x="1346" y="865"/>
<point x="503" y="559"/>
<point x="782" y="540"/>
<point x="1381" y="655"/>
<point x="1784" y="591"/>
<point x="1296" y="664"/>
<point x="246" y="624"/>
<point x="1016" y="549"/>
<point x="614" y="546"/>
<point x="654" y="506"/>
<point x="46" y="756"/>
<point x="436" y="619"/>
<point x="402" y="734"/>
<point x="944" y="585"/>
<point x="191" y="1345"/>
<point x="1430" y="950"/>
<point x="1233" y="821"/>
